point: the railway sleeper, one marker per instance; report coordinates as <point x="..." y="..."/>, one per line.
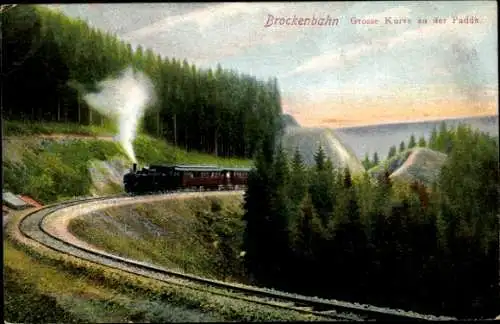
<point x="304" y="308"/>
<point x="285" y="303"/>
<point x="329" y="312"/>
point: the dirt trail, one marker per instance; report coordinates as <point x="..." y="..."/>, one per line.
<point x="60" y="136"/>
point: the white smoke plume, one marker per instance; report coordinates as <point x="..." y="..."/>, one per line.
<point x="124" y="100"/>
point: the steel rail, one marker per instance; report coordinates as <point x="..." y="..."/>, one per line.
<point x="32" y="226"/>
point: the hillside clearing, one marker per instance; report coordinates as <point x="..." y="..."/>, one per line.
<point x="202" y="236"/>
<point x="51" y="167"/>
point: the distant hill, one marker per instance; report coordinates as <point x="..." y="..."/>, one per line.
<point x="391" y="164"/>
<point x="289" y="121"/>
<point x="419" y="163"/>
<point x="422" y="164"/>
<point x="308" y="141"/>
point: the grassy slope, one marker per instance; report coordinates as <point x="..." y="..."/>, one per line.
<point x="51" y="169"/>
<point x="36" y="290"/>
<point x="200" y="236"/>
<point x="308" y="141"/>
<point x="390" y="164"/>
<point x="27" y="128"/>
<point x="43" y="286"/>
<point x="425" y="165"/>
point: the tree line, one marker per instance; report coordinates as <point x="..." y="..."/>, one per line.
<point x="324" y="232"/>
<point x="49" y="61"/>
<point x="440" y="140"/>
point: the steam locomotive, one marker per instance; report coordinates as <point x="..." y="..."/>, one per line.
<point x="163" y="178"/>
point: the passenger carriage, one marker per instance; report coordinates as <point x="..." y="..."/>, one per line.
<point x="157" y="178"/>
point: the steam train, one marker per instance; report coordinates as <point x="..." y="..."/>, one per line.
<point x="163" y="178"/>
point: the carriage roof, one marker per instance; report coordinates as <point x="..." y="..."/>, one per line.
<point x="237" y="169"/>
<point x="197" y="168"/>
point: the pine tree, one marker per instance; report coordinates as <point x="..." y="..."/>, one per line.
<point x="321" y="187"/>
<point x="308" y="231"/>
<point x="298" y="180"/>
<point x="349" y="241"/>
<point x="422" y="142"/>
<point x="347" y="179"/>
<point x="258" y="204"/>
<point x="392" y="152"/>
<point x="433" y="139"/>
<point x="366" y="162"/>
<point x="402" y="146"/>
<point x="280" y="212"/>
<point x="307" y="239"/>
<point x="376" y="159"/>
<point x="442" y="137"/>
<point x="320" y="158"/>
<point x="412" y="143"/>
<point x="297" y="162"/>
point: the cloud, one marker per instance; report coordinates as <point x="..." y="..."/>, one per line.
<point x="212" y="33"/>
<point x="203" y="18"/>
<point x="350" y="53"/>
<point x="224" y="30"/>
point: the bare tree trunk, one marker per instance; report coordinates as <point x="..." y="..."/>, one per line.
<point x="79" y="111"/>
<point x="58" y="109"/>
<point x="158" y="131"/>
<point x="216" y="135"/>
<point x="175" y="129"/>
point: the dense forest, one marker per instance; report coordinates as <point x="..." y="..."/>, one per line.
<point x="49" y="61"/>
<point x="324" y="232"/>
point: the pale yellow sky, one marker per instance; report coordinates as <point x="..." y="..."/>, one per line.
<point x="396" y="105"/>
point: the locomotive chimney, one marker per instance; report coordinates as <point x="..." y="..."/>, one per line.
<point x="134" y="167"/>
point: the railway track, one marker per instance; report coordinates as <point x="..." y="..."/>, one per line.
<point x="35" y="226"/>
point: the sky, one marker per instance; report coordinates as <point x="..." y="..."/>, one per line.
<point x="335" y="73"/>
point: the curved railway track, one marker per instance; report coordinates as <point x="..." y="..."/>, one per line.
<point x="36" y="226"/>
